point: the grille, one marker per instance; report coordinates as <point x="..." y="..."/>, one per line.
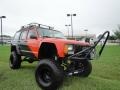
<point x="78" y="48"/>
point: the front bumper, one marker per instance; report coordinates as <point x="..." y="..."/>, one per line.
<point x="83" y="55"/>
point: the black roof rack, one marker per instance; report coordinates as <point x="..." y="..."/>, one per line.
<point x="36" y="25"/>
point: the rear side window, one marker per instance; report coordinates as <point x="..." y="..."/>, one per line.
<point x="17" y="35"/>
<point x="23" y="35"/>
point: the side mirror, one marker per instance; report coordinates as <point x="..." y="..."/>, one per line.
<point x="33" y="37"/>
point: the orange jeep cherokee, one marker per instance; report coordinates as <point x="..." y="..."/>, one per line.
<point x="57" y="56"/>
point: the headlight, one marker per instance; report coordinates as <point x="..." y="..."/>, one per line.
<point x="69" y="49"/>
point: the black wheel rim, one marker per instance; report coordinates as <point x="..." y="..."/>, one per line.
<point x="44" y="75"/>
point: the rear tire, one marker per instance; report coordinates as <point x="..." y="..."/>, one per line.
<point x="48" y="75"/>
<point x="15" y="60"/>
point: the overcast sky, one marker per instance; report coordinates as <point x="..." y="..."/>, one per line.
<point x="95" y="15"/>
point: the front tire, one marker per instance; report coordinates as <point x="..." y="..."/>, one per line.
<point x="48" y="75"/>
<point x="86" y="68"/>
<point x="15" y="60"/>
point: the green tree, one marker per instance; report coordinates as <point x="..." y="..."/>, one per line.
<point x="117" y="34"/>
<point x="112" y="37"/>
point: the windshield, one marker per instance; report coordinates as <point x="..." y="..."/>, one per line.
<point x="50" y="33"/>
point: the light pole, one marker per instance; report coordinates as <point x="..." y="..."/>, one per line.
<point x="1" y="17"/>
<point x="86" y="35"/>
<point x="71" y="15"/>
<point x="68" y="29"/>
<point x="86" y="32"/>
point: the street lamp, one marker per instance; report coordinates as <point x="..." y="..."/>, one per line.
<point x="71" y="15"/>
<point x="86" y="35"/>
<point x="1" y="17"/>
<point x="86" y="32"/>
<point x="68" y="29"/>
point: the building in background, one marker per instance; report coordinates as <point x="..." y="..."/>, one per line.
<point x="6" y="39"/>
<point x="82" y="37"/>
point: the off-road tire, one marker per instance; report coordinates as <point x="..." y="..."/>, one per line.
<point x="15" y="60"/>
<point x="87" y="68"/>
<point x="48" y="75"/>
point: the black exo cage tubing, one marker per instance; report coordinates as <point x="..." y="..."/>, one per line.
<point x="89" y="49"/>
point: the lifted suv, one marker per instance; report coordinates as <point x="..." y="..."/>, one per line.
<point x="57" y="56"/>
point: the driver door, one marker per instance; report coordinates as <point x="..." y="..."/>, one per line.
<point x="33" y="43"/>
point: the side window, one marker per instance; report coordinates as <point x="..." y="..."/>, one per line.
<point x="40" y="31"/>
<point x="45" y="32"/>
<point x="17" y="36"/>
<point x="23" y="35"/>
<point x="31" y="33"/>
